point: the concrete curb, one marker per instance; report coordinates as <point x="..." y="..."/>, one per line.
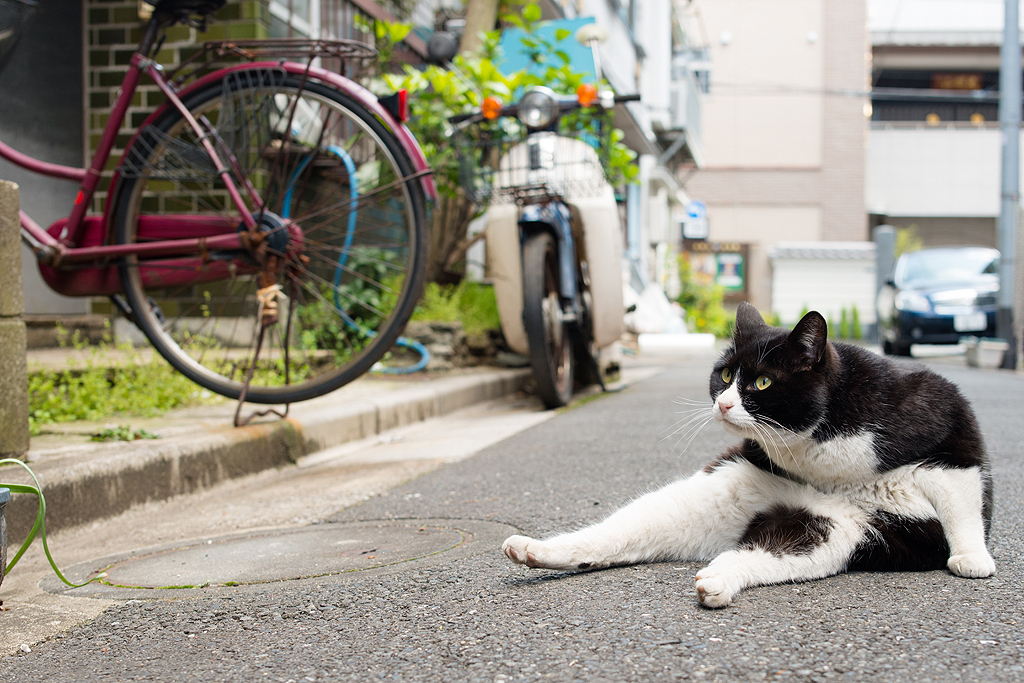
<point x="107" y="480"/>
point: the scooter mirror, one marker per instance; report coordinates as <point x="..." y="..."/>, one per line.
<point x="442" y="47"/>
<point x="591" y="33"/>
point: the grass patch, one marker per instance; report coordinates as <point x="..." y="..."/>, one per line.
<point x="123" y="433"/>
<point x="471" y="303"/>
<point x="113" y="380"/>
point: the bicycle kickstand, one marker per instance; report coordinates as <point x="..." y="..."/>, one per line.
<point x="268" y="300"/>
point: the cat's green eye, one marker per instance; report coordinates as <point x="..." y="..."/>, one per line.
<point x="762" y="383"/>
<point x="726" y="375"/>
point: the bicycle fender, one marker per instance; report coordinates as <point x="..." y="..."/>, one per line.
<point x="357" y="92"/>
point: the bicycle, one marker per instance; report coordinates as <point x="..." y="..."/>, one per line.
<point x="265" y="226"/>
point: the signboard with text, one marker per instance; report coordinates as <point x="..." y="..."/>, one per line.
<point x="719" y="263"/>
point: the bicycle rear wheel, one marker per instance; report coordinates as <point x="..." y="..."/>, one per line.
<point x="333" y="193"/>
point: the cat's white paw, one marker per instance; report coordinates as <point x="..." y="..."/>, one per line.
<point x="713" y="591"/>
<point x="972" y="565"/>
<point x="550" y="554"/>
<point x="522" y="550"/>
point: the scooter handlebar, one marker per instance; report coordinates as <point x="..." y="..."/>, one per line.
<point x="566" y="103"/>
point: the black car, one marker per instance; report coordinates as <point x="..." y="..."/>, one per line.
<point x="938" y="296"/>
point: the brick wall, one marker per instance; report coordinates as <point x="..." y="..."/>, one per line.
<point x="112" y="30"/>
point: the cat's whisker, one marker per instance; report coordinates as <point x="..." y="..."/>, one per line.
<point x="776" y="438"/>
<point x="693" y="435"/>
<point x="682" y="400"/>
<point x="701" y="409"/>
<point x="687" y="423"/>
<point x="772" y="438"/>
<point x="692" y="427"/>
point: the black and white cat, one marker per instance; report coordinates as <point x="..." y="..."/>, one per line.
<point x="848" y="462"/>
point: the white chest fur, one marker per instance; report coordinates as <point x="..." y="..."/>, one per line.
<point x="843" y="460"/>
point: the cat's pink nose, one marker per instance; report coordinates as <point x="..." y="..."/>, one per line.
<point x="725" y="406"/>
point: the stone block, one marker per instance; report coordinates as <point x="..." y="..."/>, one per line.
<point x="14" y="439"/>
<point x="12" y="295"/>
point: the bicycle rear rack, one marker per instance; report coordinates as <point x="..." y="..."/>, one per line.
<point x="350" y="57"/>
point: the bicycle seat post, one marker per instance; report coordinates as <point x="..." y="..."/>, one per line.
<point x="151" y="34"/>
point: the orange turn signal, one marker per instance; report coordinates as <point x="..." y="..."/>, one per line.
<point x="586" y="94"/>
<point x="491" y="108"/>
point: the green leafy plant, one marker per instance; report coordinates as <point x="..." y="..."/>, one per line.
<point x="855" y="329"/>
<point x="471" y="303"/>
<point x="122" y="433"/>
<point x="703" y="303"/>
<point x="367" y="295"/>
<point x="907" y="240"/>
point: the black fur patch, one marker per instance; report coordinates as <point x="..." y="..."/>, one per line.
<point x="901" y="544"/>
<point x="784" y="530"/>
<point x="732" y="455"/>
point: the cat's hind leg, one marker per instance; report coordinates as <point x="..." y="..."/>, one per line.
<point x="794" y="541"/>
<point x="957" y="495"/>
<point x="691" y="519"/>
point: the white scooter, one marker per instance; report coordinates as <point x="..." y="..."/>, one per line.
<point x="554" y="242"/>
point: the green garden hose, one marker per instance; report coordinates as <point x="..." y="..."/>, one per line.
<point x="39" y="528"/>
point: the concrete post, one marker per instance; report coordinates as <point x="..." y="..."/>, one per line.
<point x="885" y="261"/>
<point x="1009" y="125"/>
<point x="13" y="367"/>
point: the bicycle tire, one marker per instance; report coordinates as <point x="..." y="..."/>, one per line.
<point x="322" y="162"/>
<point x="551" y="353"/>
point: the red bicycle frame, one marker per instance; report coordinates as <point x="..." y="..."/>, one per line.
<point x="76" y="256"/>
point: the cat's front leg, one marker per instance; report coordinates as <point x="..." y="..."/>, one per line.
<point x="691" y="519"/>
<point x="562" y="552"/>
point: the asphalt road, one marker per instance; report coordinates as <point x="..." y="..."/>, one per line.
<point x="468" y="615"/>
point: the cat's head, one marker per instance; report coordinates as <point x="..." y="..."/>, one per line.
<point x="772" y="376"/>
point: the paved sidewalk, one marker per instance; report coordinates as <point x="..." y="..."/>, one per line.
<point x="84" y="480"/>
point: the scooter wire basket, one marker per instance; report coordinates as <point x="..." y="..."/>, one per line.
<point x="14" y="16"/>
<point x="500" y="162"/>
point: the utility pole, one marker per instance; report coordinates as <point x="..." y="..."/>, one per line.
<point x="480" y="17"/>
<point x="1009" y="126"/>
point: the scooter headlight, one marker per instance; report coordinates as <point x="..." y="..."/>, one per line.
<point x="537" y="108"/>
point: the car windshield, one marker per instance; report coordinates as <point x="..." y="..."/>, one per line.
<point x="948" y="265"/>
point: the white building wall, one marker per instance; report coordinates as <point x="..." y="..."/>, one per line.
<point x="824" y="285"/>
<point x="925" y="171"/>
<point x="654" y="31"/>
<point x="933" y="171"/>
<point x="764" y="109"/>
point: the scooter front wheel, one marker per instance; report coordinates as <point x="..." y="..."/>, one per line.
<point x="546" y="330"/>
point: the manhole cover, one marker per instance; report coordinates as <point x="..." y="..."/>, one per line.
<point x="276" y="555"/>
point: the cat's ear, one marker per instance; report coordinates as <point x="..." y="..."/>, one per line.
<point x="748" y="322"/>
<point x="809" y="338"/>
